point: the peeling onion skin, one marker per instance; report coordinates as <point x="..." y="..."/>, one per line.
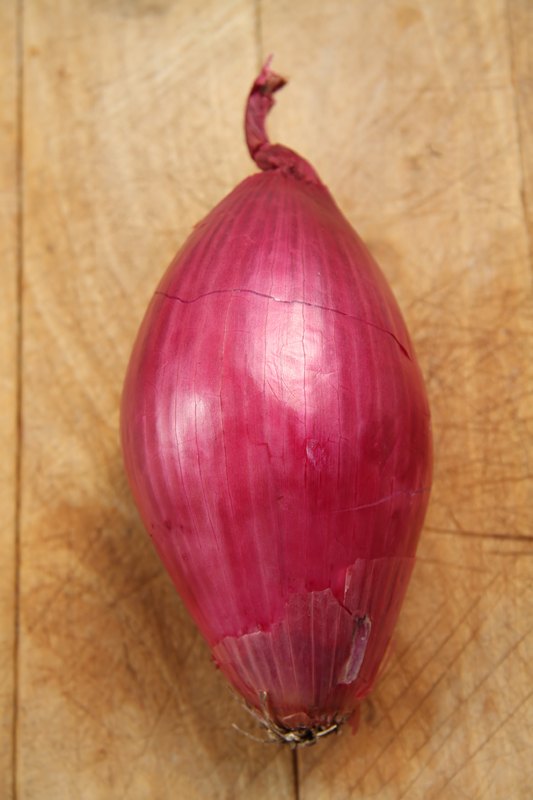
<point x="277" y="440"/>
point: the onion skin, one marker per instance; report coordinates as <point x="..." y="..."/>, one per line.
<point x="277" y="440"/>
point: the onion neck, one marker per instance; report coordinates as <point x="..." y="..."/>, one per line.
<point x="269" y="156"/>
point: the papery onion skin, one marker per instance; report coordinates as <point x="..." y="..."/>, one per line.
<point x="277" y="440"/>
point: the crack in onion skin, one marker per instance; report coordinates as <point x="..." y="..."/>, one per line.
<point x="277" y="440"/>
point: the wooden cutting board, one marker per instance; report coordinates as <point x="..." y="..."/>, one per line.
<point x="120" y="127"/>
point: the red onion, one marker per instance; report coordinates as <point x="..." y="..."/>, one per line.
<point x="276" y="438"/>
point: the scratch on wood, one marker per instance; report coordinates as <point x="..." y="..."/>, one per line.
<point x="19" y="367"/>
<point x="447" y="737"/>
<point x="511" y="537"/>
<point x="295" y="773"/>
<point x="480" y="747"/>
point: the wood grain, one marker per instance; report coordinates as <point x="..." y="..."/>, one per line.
<point x="409" y="113"/>
<point x="521" y="31"/>
<point x="418" y="117"/>
<point x="9" y="336"/>
<point x="131" y="136"/>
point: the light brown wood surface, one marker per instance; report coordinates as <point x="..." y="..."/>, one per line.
<point x="417" y="115"/>
<point x="9" y="351"/>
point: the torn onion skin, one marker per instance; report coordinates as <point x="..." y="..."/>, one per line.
<point x="277" y="440"/>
